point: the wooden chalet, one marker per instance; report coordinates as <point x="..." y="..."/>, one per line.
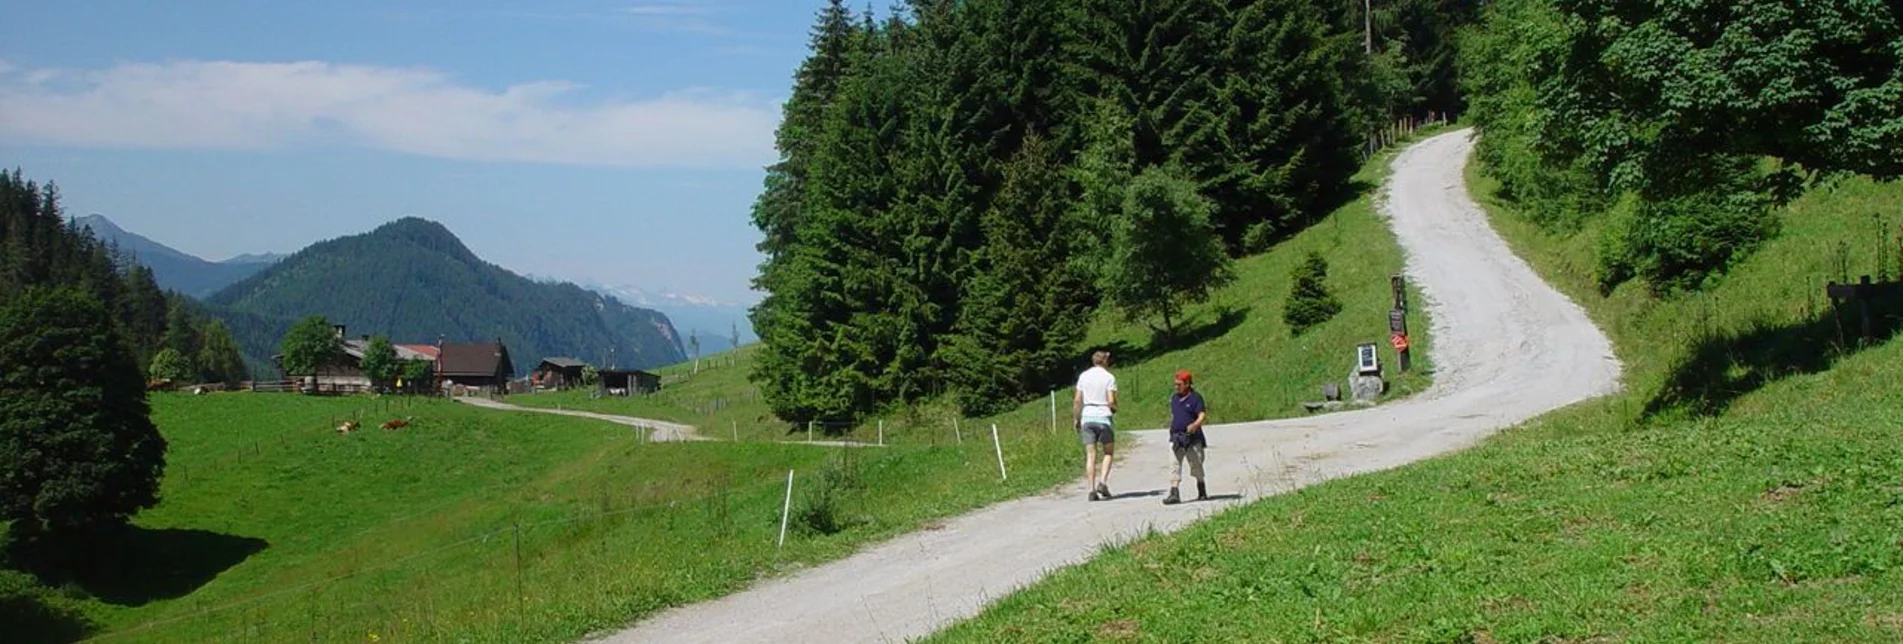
<point x="622" y="382"/>
<point x="474" y="368"/>
<point x="557" y="373"/>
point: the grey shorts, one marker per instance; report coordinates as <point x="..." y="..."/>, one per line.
<point x="1095" y="432"/>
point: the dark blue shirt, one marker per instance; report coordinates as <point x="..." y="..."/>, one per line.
<point x="1183" y="410"/>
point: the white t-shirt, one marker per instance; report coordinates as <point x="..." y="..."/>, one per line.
<point x="1096" y="384"/>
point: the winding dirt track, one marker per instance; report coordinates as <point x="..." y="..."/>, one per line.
<point x="1507" y="347"/>
<point x="658" y="430"/>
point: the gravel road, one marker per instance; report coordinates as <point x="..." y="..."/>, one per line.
<point x="1507" y="348"/>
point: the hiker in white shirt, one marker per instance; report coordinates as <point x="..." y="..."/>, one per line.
<point x="1092" y="408"/>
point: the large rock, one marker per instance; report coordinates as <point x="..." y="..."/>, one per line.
<point x="1366" y="388"/>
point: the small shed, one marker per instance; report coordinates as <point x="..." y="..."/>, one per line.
<point x="622" y="382"/>
<point x="557" y="373"/>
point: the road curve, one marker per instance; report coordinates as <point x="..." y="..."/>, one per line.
<point x="1507" y="347"/>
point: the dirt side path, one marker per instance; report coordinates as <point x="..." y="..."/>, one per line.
<point x="1507" y="347"/>
<point x="659" y="430"/>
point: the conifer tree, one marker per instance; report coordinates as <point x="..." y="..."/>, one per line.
<point x="78" y="450"/>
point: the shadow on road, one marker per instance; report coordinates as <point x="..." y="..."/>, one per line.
<point x="1222" y="497"/>
<point x="1134" y="495"/>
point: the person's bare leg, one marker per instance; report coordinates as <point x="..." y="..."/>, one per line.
<point x="1090" y="467"/>
<point x="1109" y="450"/>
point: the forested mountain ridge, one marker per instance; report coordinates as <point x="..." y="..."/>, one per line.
<point x="41" y="249"/>
<point x="415" y="282"/>
<point x="176" y="270"/>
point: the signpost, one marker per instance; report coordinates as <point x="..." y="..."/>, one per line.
<point x="1397" y="322"/>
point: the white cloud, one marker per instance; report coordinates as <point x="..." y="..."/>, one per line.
<point x="243" y="105"/>
<point x="676" y="17"/>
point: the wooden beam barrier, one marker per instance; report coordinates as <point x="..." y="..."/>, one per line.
<point x="1862" y="292"/>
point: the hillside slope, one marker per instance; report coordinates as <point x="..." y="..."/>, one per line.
<point x="414" y="281"/>
<point x="1743" y="487"/>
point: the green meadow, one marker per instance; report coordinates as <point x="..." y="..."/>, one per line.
<point x="496" y="526"/>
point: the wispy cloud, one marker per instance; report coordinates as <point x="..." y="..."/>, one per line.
<point x="675" y="16"/>
<point x="253" y="105"/>
<point x="663" y="17"/>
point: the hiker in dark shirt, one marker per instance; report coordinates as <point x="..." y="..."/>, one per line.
<point x="1187" y="414"/>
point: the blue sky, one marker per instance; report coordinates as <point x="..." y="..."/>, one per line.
<point x="607" y="142"/>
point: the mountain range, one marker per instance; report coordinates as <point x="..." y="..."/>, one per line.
<point x="414" y="281"/>
<point x="176" y="270"/>
<point x="713" y="322"/>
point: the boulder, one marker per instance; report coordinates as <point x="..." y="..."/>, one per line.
<point x="1366" y="388"/>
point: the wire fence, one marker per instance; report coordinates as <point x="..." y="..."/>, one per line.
<point x="392" y="596"/>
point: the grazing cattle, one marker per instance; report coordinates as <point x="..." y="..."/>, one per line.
<point x="400" y="422"/>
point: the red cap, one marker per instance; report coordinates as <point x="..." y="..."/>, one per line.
<point x="1183" y="375"/>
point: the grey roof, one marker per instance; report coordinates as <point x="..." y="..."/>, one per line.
<point x="565" y="362"/>
<point x="355" y="349"/>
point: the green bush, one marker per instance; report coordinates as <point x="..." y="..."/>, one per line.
<point x="168" y="364"/>
<point x="1310" y="302"/>
<point x="820" y="509"/>
<point x="1685" y="241"/>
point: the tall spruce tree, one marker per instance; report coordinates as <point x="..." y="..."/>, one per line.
<point x="182" y="332"/>
<point x="1027" y="307"/>
<point x="1102" y="174"/>
<point x="855" y="238"/>
<point x="1288" y="142"/>
<point x="219" y="359"/>
<point x="789" y="319"/>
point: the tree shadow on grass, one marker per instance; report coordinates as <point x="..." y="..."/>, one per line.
<point x="1187" y="336"/>
<point x="1325" y="205"/>
<point x="1722" y="368"/>
<point x="26" y="618"/>
<point x="133" y="566"/>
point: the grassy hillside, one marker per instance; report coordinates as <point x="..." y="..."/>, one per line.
<point x="274" y="527"/>
<point x="1744" y="488"/>
<point x="1246" y="362"/>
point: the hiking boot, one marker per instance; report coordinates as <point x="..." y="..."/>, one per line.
<point x="1094" y="497"/>
<point x="1202" y="493"/>
<point x="1103" y="491"/>
<point x="1172" y="499"/>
